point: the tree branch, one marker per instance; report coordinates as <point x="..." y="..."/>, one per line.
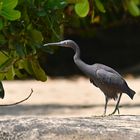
<point x="18" y="101"/>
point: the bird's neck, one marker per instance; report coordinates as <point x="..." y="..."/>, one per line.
<point x="82" y="65"/>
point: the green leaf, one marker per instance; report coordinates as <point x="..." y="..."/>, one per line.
<point x="2" y="39"/>
<point x="1" y="3"/>
<point x="2" y="75"/>
<point x="1" y="24"/>
<point x="41" y="13"/>
<point x="10" y="74"/>
<point x="36" y="36"/>
<point x="82" y="8"/>
<point x="9" y="4"/>
<point x="20" y="75"/>
<point x="6" y="65"/>
<point x="100" y="6"/>
<point x="137" y="2"/>
<point x="133" y="8"/>
<point x="26" y="64"/>
<point x="55" y="4"/>
<point x="20" y="50"/>
<point x="48" y="49"/>
<point x="25" y="16"/>
<point x="3" y="56"/>
<point x="1" y="90"/>
<point x="92" y="16"/>
<point x="73" y="1"/>
<point x="11" y="14"/>
<point x="38" y="71"/>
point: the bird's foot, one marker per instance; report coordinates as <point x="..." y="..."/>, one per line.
<point x="115" y="111"/>
<point x="104" y="115"/>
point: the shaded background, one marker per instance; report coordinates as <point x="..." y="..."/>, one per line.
<point x="118" y="47"/>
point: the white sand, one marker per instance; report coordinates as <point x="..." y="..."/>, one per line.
<point x="65" y="97"/>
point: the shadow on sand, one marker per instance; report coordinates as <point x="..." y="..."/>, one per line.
<point x="49" y="109"/>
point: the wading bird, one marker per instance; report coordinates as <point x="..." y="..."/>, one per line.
<point x="110" y="82"/>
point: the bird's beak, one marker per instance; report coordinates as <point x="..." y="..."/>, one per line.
<point x="65" y="43"/>
<point x="61" y="43"/>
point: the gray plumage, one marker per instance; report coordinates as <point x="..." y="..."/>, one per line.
<point x="110" y="82"/>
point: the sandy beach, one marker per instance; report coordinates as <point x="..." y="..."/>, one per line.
<point x="63" y="97"/>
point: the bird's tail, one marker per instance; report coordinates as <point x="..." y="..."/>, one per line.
<point x="131" y="93"/>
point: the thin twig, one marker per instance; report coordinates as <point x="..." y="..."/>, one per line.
<point x="18" y="101"/>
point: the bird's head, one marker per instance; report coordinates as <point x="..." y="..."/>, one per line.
<point x="65" y="43"/>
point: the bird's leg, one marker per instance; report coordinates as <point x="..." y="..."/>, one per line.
<point x="117" y="105"/>
<point x="106" y="102"/>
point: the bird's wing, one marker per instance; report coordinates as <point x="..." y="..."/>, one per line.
<point x="107" y="68"/>
<point x="109" y="78"/>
